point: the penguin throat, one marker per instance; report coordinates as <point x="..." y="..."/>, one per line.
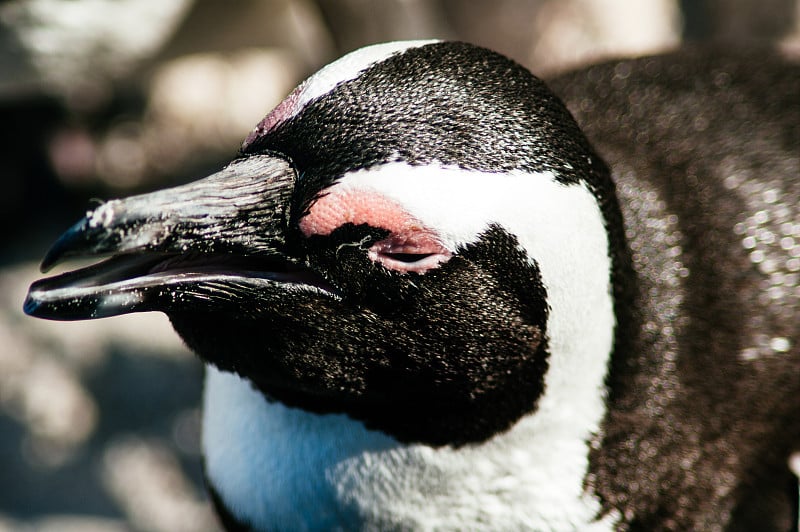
<point x="339" y="474"/>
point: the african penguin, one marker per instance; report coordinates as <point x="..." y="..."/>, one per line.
<point x="426" y="301"/>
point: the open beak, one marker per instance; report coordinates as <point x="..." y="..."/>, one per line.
<point x="227" y="229"/>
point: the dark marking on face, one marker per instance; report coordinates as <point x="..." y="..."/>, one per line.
<point x="405" y="353"/>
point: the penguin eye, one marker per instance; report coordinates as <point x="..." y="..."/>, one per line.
<point x="415" y="251"/>
<point x="410" y="246"/>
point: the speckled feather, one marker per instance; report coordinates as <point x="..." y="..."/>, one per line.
<point x="705" y="399"/>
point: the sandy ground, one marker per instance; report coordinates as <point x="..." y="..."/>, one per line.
<point x="99" y="422"/>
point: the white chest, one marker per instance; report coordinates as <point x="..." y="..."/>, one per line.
<point x="282" y="468"/>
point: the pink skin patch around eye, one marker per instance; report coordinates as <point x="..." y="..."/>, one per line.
<point x="411" y="247"/>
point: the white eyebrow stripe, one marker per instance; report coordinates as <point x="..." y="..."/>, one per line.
<point x="344" y="69"/>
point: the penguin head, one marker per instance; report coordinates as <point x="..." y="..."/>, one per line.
<point x="416" y="237"/>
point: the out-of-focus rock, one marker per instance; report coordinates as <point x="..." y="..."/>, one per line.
<point x="148" y="483"/>
<point x="554" y="35"/>
<point x="76" y="49"/>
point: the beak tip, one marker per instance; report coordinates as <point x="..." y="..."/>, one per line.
<point x="71" y="243"/>
<point x="47" y="263"/>
<point x="52" y="257"/>
<point x="30" y="305"/>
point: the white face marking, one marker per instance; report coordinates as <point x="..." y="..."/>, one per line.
<point x="343" y="69"/>
<point x="529" y="477"/>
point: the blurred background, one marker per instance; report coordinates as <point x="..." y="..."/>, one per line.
<point x="99" y="421"/>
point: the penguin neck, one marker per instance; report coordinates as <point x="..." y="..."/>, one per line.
<point x="277" y="467"/>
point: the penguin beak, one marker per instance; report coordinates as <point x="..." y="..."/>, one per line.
<point x="227" y="228"/>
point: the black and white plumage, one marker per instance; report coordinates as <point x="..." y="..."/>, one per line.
<point x="426" y="302"/>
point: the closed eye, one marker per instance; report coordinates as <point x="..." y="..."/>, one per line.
<point x="417" y="252"/>
<point x="408" y="257"/>
<point x="410" y="246"/>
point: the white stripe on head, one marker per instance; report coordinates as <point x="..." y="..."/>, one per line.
<point x="530" y="477"/>
<point x="343" y="69"/>
<point x="351" y="65"/>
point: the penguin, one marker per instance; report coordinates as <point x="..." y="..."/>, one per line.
<point x="432" y="294"/>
